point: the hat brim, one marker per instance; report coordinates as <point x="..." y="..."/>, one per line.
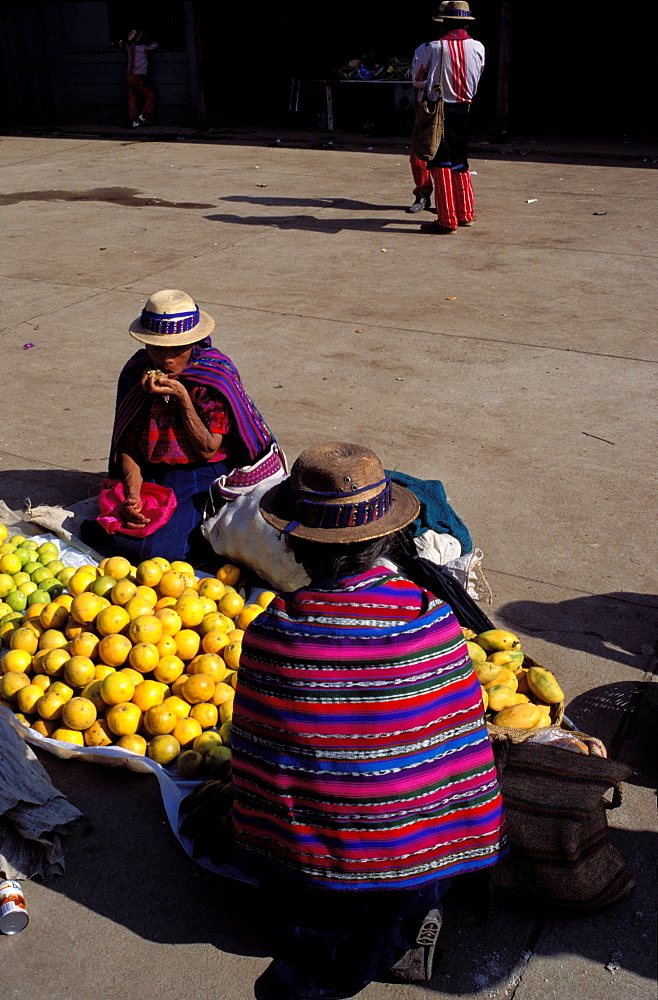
<point x="204" y="328"/>
<point x="404" y="509"/>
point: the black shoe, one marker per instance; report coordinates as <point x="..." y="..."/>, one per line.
<point x="434" y="227"/>
<point x="421" y="204"/>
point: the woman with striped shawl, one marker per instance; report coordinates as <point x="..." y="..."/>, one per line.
<point x="363" y="775"/>
<point x="182" y="420"/>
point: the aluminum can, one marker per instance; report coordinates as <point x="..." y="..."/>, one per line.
<point x="13" y="911"/>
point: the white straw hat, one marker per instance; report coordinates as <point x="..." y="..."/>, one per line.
<point x="171" y="317"/>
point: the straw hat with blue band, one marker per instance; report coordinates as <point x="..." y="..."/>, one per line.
<point x="171" y="318"/>
<point x="338" y="493"/>
<point x="457" y="10"/>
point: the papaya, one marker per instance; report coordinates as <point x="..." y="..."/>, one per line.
<point x="544" y="721"/>
<point x="518" y="716"/>
<point x="505" y="677"/>
<point x="543" y="684"/>
<point x="521" y="699"/>
<point x="486" y="673"/>
<point x="522" y="680"/>
<point x="476" y="653"/>
<point x="510" y="658"/>
<point x="500" y="697"/>
<point x="468" y="633"/>
<point x="485" y="697"/>
<point x="496" y="639"/>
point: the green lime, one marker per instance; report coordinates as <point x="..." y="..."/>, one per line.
<point x="17" y="600"/>
<point x="38" y="597"/>
<point x="41" y="574"/>
<point x="101" y="585"/>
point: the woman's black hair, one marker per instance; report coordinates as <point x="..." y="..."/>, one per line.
<point x="326" y="562"/>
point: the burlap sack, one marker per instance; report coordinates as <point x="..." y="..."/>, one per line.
<point x="560" y="855"/>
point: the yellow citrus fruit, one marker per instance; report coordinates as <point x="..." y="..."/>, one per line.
<point x="186" y="731"/>
<point x="214" y="642"/>
<point x="116" y="687"/>
<point x="49" y="706"/>
<point x="66" y="600"/>
<point x="210" y="664"/>
<point x="10" y="563"/>
<point x="205" y="714"/>
<point x="248" y="613"/>
<point x="122" y="592"/>
<point x="178" y="706"/>
<point x="27" y="698"/>
<point x="124" y="719"/>
<point x="166" y="646"/>
<point x="172" y="584"/>
<point x="114" y="650"/>
<point x="147" y="694"/>
<point x="69" y="736"/>
<point x="144" y="657"/>
<point x="226" y="712"/>
<point x="231" y="655"/>
<point x="233" y="679"/>
<point x="16" y="659"/>
<point x="187" y="643"/>
<point x="212" y="588"/>
<point x="92" y="691"/>
<point x="112" y="620"/>
<point x="223" y="692"/>
<point x="170" y="620"/>
<point x="4" y="532"/>
<point x="99" y="734"/>
<point x="206" y="742"/>
<point x="198" y="688"/>
<point x="134" y="675"/>
<point x="37" y="661"/>
<point x="85" y="644"/>
<point x="149" y="573"/>
<point x="73" y="628"/>
<point x="137" y="606"/>
<point x="163" y="749"/>
<point x="79" y="713"/>
<point x="24" y="638"/>
<point x="34" y="611"/>
<point x="147" y="594"/>
<point x="85" y="607"/>
<point x="54" y="661"/>
<point x="52" y="638"/>
<point x="225" y="733"/>
<point x="159" y="720"/>
<point x="215" y="622"/>
<point x="231" y="604"/>
<point x="80" y="581"/>
<point x="61" y="689"/>
<point x="42" y="681"/>
<point x="228" y="574"/>
<point x="53" y="616"/>
<point x="168" y="668"/>
<point x="180" y="566"/>
<point x="165" y="602"/>
<point x="265" y="598"/>
<point x="133" y="742"/>
<point x="177" y="685"/>
<point x="209" y="607"/>
<point x="79" y="671"/>
<point x="190" y="611"/>
<point x="116" y="566"/>
<point x="190" y="592"/>
<point x="102" y="671"/>
<point x="145" y="628"/>
<point x="44" y="726"/>
<point x="163" y="563"/>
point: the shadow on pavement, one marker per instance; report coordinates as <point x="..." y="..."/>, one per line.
<point x="344" y="203"/>
<point x="310" y="223"/>
<point x="55" y="487"/>
<point x="619" y="626"/>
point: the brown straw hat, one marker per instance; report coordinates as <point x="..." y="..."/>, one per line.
<point x="439" y="16"/>
<point x="338" y="492"/>
<point x="171" y="317"/>
<point x="457" y="10"/>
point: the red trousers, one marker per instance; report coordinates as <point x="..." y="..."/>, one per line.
<point x="422" y="176"/>
<point x="453" y="195"/>
<point x="138" y="85"/>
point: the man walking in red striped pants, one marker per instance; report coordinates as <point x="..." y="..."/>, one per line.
<point x="456" y="64"/>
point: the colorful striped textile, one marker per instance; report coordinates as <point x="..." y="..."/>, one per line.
<point x="360" y="754"/>
<point x="207" y="367"/>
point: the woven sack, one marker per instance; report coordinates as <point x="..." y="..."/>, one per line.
<point x="560" y="855"/>
<point x="428" y="128"/>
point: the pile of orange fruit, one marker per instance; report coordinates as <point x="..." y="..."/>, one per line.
<point x="144" y="658"/>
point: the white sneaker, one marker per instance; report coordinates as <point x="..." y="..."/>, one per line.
<point x="136" y="124"/>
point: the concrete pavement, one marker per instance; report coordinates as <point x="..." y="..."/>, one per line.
<point x="516" y="361"/>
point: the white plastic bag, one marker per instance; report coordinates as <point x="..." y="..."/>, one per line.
<point x="240" y="533"/>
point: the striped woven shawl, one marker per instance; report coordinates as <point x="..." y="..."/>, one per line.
<point x="207" y="367"/>
<point x="361" y="758"/>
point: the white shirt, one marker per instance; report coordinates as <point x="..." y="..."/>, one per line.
<point x="456" y="61"/>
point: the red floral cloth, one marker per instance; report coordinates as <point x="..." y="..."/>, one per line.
<point x="160" y="433"/>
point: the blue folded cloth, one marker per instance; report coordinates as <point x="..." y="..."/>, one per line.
<point x="435" y="511"/>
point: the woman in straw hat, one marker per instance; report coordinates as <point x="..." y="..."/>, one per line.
<point x="364" y="779"/>
<point x="182" y="420"/>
